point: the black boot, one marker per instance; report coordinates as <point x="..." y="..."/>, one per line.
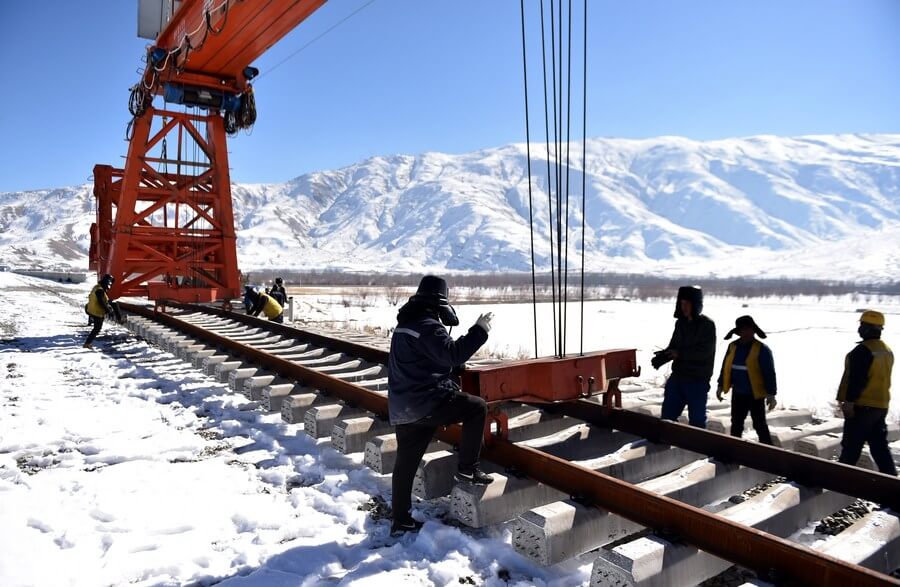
<point x="473" y="476"/>
<point x="400" y="527"/>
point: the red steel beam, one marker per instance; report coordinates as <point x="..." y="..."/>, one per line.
<point x="721" y="537"/>
<point x="248" y="30"/>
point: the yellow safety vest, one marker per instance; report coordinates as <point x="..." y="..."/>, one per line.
<point x="271" y="308"/>
<point x="757" y="383"/>
<point x="877" y="392"/>
<point x="94" y="307"/>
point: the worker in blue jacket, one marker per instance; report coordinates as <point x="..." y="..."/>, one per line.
<point x="865" y="395"/>
<point x="424" y="395"/>
<point x="749" y="370"/>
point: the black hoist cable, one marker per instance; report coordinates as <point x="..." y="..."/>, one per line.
<point x="549" y="178"/>
<point x="583" y="175"/>
<point x="528" y="158"/>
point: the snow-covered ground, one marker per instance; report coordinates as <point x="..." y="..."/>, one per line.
<point x="123" y="465"/>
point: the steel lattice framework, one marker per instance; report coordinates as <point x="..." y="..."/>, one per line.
<point x="165" y="225"/>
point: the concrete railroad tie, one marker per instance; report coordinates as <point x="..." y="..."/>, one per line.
<point x="780" y="510"/>
<point x="873" y="542"/>
<point x="565" y="529"/>
<point x="828" y="446"/>
<point x="508" y="496"/>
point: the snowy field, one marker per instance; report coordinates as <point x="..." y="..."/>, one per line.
<point x="809" y="336"/>
<point x="122" y="465"/>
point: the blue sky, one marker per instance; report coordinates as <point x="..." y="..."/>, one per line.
<point x="406" y="76"/>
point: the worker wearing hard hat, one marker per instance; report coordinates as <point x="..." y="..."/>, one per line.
<point x="865" y="393"/>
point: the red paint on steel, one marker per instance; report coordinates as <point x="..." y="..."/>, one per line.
<point x="248" y="30"/>
<point x="165" y="225"/>
<point x="172" y="231"/>
<point x="550" y="379"/>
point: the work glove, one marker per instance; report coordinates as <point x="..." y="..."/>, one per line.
<point x="849" y="410"/>
<point x="720" y="394"/>
<point x="485" y="321"/>
<point x="771" y="402"/>
<point x="660" y="358"/>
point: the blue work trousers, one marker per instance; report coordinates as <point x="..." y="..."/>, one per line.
<point x="685" y="393"/>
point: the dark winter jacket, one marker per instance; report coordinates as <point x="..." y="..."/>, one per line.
<point x="422" y="360"/>
<point x="279" y="294"/>
<point x="694" y="340"/>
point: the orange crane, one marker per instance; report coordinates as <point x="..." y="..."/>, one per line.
<point x="165" y="225"/>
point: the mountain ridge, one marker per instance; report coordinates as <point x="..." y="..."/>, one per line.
<point x="821" y="206"/>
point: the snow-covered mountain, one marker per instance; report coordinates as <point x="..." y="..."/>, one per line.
<point x="816" y="206"/>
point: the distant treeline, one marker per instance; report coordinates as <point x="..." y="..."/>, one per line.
<point x="627" y="285"/>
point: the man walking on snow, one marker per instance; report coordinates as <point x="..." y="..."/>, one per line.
<point x="99" y="307"/>
<point x="693" y="352"/>
<point x="865" y="394"/>
<point x="749" y="370"/>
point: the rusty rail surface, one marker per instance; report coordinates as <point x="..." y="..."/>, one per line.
<point x="804" y="469"/>
<point x="345" y="346"/>
<point x="770" y="556"/>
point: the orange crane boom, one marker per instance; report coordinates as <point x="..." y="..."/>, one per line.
<point x="165" y="226"/>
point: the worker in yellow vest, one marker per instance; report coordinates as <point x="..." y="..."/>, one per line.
<point x="99" y="307"/>
<point x="749" y="371"/>
<point x="865" y="393"/>
<point x="263" y="302"/>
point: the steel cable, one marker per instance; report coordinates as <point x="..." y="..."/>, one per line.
<point x="528" y="159"/>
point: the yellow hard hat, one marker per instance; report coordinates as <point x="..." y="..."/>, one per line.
<point x="872" y="317"/>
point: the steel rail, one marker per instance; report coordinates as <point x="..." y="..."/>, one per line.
<point x="362" y="351"/>
<point x="804" y="469"/>
<point x="770" y="556"/>
<point x="354" y="394"/>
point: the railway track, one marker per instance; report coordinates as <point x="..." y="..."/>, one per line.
<point x="671" y="504"/>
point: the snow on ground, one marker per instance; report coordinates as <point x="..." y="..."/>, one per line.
<point x="122" y="465"/>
